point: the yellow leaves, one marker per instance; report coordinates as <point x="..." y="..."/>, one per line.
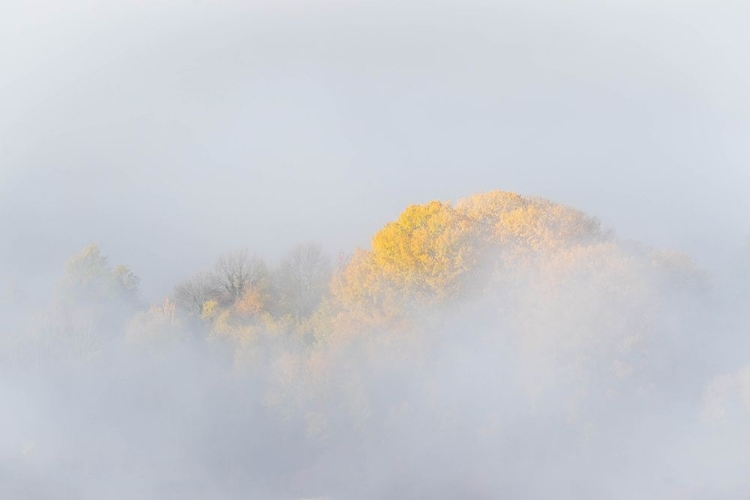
<point x="210" y="310"/>
<point x="529" y="224"/>
<point x="250" y="303"/>
<point x="356" y="280"/>
<point x="570" y="294"/>
<point x="426" y="250"/>
<point x="431" y="250"/>
<point x="488" y="207"/>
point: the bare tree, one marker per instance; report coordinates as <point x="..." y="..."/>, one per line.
<point x="193" y="293"/>
<point x="301" y="280"/>
<point x="236" y="271"/>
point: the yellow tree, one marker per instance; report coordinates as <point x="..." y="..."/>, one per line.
<point x="424" y="256"/>
<point x="529" y="224"/>
<point x="427" y="250"/>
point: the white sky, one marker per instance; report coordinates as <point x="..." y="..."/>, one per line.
<point x="169" y="132"/>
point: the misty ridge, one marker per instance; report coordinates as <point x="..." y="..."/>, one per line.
<point x="501" y="346"/>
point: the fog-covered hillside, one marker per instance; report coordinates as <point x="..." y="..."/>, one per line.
<point x="497" y="346"/>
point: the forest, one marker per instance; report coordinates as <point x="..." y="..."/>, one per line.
<point x="498" y="346"/>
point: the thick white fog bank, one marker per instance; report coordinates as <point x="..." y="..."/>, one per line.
<point x="496" y="347"/>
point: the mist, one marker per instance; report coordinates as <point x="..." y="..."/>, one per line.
<point x="274" y="250"/>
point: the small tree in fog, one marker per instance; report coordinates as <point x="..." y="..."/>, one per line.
<point x="89" y="278"/>
<point x="126" y="283"/>
<point x="237" y="271"/>
<point x="301" y="280"/>
<point x="193" y="293"/>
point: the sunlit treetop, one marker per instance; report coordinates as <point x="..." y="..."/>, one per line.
<point x="427" y="249"/>
<point x="530" y="223"/>
<point x="436" y="251"/>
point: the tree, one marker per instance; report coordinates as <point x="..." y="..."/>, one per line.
<point x="157" y="326"/>
<point x="238" y="270"/>
<point x="193" y="293"/>
<point x="301" y="280"/>
<point x="126" y="282"/>
<point x="434" y="251"/>
<point x="427" y="250"/>
<point x="89" y="278"/>
<point x="519" y="223"/>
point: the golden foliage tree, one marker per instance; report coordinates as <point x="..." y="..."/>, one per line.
<point x="425" y="254"/>
<point x="529" y="224"/>
<point x="427" y="249"/>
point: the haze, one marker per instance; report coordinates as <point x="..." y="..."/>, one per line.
<point x="374" y="249"/>
<point x="148" y="127"/>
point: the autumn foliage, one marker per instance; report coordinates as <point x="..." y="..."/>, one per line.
<point x="532" y="277"/>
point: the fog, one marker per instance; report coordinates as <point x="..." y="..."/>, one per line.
<point x="149" y="127"/>
<point x="526" y="353"/>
